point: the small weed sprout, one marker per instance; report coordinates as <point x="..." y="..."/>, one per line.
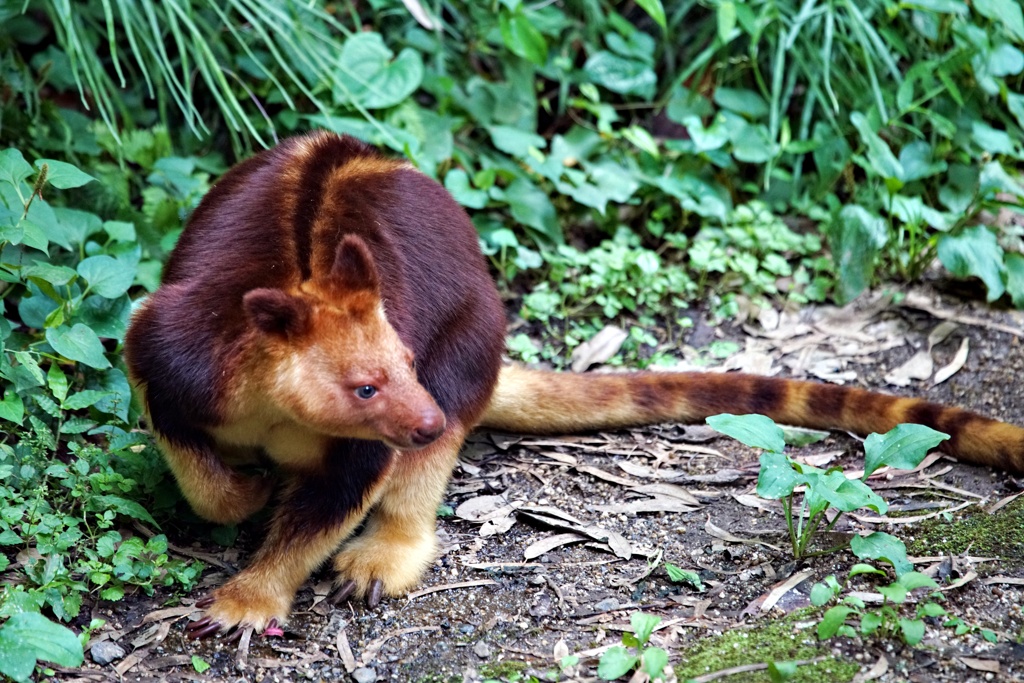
<point x="618" y="661"/>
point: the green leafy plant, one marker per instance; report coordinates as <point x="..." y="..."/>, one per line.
<point x="903" y="447"/>
<point x="635" y="653"/>
<point x="72" y="467"/>
<point x="26" y="638"/>
<point x="883" y="621"/>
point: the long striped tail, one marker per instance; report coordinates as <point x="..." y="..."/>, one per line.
<point x="539" y="402"/>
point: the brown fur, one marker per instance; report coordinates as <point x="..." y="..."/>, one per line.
<point x="319" y="268"/>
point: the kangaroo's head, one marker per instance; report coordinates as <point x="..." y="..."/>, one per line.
<point x="331" y="360"/>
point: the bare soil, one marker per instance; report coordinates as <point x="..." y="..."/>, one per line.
<point x="496" y="615"/>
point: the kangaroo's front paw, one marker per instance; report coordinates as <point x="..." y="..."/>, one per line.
<point x="382" y="564"/>
<point x="242" y="603"/>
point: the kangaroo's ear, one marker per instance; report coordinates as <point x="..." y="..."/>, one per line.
<point x="354" y="269"/>
<point x="275" y="312"/>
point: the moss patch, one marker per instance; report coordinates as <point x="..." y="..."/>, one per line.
<point x="509" y="669"/>
<point x="987" y="535"/>
<point x="792" y="638"/>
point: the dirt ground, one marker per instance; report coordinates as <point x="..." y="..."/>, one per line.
<point x="505" y="601"/>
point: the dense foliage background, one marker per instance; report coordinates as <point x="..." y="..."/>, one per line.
<point x="620" y="160"/>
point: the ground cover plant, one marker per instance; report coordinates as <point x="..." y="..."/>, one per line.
<point x="651" y="165"/>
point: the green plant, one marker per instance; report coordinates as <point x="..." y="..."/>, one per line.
<point x="71" y="466"/>
<point x="903" y="447"/>
<point x="618" y="661"/>
<point x="883" y="621"/>
<point x="28" y="637"/>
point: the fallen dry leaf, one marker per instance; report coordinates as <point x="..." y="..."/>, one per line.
<point x="1003" y="502"/>
<point x="954" y="366"/>
<point x="877" y="671"/>
<point x="918" y="367"/>
<point x="784" y="587"/>
<point x="721" y="534"/>
<point x="548" y="544"/>
<point x="655" y="504"/>
<point x="989" y="665"/>
<point x="483" y="508"/>
<point x="670" y="490"/>
<point x="599" y="348"/>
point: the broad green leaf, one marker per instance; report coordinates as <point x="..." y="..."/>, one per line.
<point x="913" y="210"/>
<point x="199" y="664"/>
<point x="12" y="408"/>
<point x="870" y="622"/>
<point x="882" y="546"/>
<point x="655" y="9"/>
<point x="47" y="272"/>
<point x="756" y="431"/>
<point x="1006" y="13"/>
<point x="778" y="672"/>
<point x="994" y="178"/>
<point x="621" y="75"/>
<point x="914" y="580"/>
<point x="974" y="252"/>
<point x="83" y="399"/>
<point x="78" y="343"/>
<point x="680" y="575"/>
<point x="861" y="568"/>
<point x="991" y="140"/>
<point x="13" y="167"/>
<point x="115" y="394"/>
<point x="916" y="160"/>
<point x="120" y="231"/>
<point x="63" y="175"/>
<point x="726" y="16"/>
<point x="457" y="182"/>
<point x="913" y="630"/>
<point x="932" y="609"/>
<point x="820" y="594"/>
<point x="800" y="437"/>
<point x="530" y="206"/>
<point x="856" y="236"/>
<point x="107" y="276"/>
<point x="57" y="381"/>
<point x="615" y="663"/>
<point x="125" y="507"/>
<point x="848" y="495"/>
<point x="643" y="625"/>
<point x="749" y="103"/>
<point x="653" y="661"/>
<point x="27" y="637"/>
<point x="903" y="447"/>
<point x="894" y="592"/>
<point x="514" y="141"/>
<point x="752" y="144"/>
<point x="834" y="618"/>
<point x="1015" y="278"/>
<point x="710" y="138"/>
<point x="777" y="478"/>
<point x="522" y="37"/>
<point x="880" y="156"/>
<point x="368" y="76"/>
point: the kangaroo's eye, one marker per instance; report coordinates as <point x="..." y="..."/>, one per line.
<point x="366" y="391"/>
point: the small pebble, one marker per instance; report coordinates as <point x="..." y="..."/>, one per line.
<point x="482" y="650"/>
<point x="606" y="605"/>
<point x="364" y="675"/>
<point x="105" y="652"/>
